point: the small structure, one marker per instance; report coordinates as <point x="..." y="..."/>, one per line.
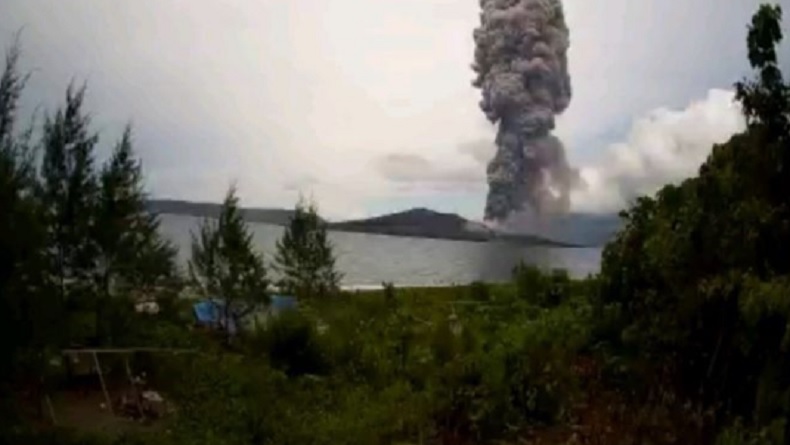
<point x="140" y="401"/>
<point x="210" y="313"/>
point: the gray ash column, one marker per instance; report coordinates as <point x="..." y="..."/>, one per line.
<point x="522" y="71"/>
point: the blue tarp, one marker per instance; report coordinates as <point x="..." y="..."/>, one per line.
<point x="211" y="312"/>
<point x="207" y="311"/>
<point x="280" y="303"/>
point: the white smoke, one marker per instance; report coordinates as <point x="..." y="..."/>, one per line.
<point x="664" y="147"/>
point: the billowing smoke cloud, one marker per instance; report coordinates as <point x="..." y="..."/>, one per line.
<point x="665" y="146"/>
<point x="522" y="70"/>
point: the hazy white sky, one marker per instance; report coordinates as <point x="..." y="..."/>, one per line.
<point x="368" y="104"/>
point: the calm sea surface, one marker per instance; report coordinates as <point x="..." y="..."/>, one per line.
<point x="368" y="260"/>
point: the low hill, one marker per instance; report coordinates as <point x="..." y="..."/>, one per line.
<point x="426" y="223"/>
<point x="418" y="222"/>
<point x="278" y="217"/>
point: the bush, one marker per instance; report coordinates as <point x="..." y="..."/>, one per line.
<point x="540" y="289"/>
<point x="738" y="434"/>
<point x="389" y="292"/>
<point x="479" y="291"/>
<point x="292" y="345"/>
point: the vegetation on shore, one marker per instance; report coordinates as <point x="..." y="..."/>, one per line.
<point x="683" y="337"/>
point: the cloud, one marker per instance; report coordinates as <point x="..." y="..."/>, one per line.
<point x="417" y="172"/>
<point x="304" y="182"/>
<point x="629" y="57"/>
<point x="280" y="97"/>
<point x="406" y="167"/>
<point x="665" y="146"/>
<point x="459" y="169"/>
<point x="481" y="151"/>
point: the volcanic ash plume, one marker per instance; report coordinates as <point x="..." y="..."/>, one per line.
<point x="522" y="70"/>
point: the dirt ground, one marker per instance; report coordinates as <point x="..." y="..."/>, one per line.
<point x="88" y="411"/>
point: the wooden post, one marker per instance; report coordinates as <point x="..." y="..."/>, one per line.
<point x="135" y="389"/>
<point x="101" y="380"/>
<point x="48" y="401"/>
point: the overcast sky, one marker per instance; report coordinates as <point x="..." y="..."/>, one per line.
<point x="368" y="105"/>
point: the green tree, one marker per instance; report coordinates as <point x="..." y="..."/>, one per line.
<point x="225" y="265"/>
<point x="305" y="257"/>
<point x="134" y="261"/>
<point x="70" y="195"/>
<point x="765" y="99"/>
<point x="28" y="313"/>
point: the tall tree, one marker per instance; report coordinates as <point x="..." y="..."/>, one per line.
<point x="225" y="265"/>
<point x="70" y="196"/>
<point x="305" y="257"/>
<point x="134" y="261"/>
<point x="28" y="312"/>
<point x="765" y="99"/>
<point x="133" y="255"/>
<point x="16" y="168"/>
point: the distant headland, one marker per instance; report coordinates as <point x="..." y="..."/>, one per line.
<point x="571" y="230"/>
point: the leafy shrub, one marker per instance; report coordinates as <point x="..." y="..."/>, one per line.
<point x="738" y="434"/>
<point x="291" y="342"/>
<point x="389" y="292"/>
<point x="230" y="399"/>
<point x="538" y="288"/>
<point x="479" y="291"/>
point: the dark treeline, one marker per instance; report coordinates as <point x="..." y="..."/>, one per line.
<point x="681" y="338"/>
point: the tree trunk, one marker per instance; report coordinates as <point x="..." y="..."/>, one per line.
<point x="227" y="323"/>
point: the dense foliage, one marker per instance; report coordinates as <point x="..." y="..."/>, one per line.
<point x="699" y="278"/>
